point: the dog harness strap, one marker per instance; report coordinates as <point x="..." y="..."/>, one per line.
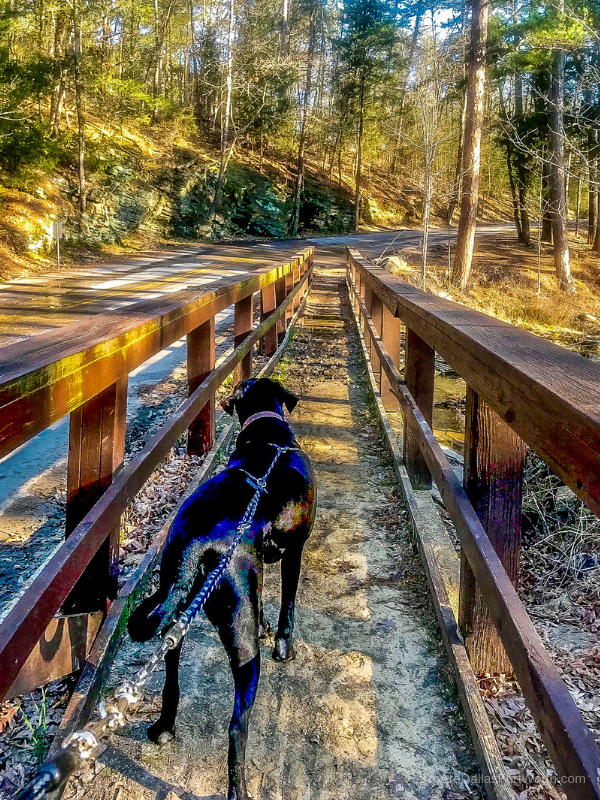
<point x="179" y="628"/>
<point x="262" y="415"/>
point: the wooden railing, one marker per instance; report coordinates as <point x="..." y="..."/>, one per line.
<point x="520" y="389"/>
<point x="82" y="370"/>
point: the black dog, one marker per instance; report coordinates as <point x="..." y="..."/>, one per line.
<point x="204" y="529"/>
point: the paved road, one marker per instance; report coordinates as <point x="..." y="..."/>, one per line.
<point x="32" y="478"/>
<point x="29" y="306"/>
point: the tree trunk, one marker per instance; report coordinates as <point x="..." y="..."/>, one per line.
<point x="546" y="216"/>
<point x="461" y="267"/>
<point x="79" y="106"/>
<point x="513" y="192"/>
<point x="285" y="28"/>
<point x="359" y="157"/>
<point x="592" y="143"/>
<point x="596" y="244"/>
<point x="558" y="201"/>
<point x="567" y="182"/>
<point x="411" y="57"/>
<point x="194" y="56"/>
<point x="426" y="217"/>
<point x="523" y="179"/>
<point x="523" y="174"/>
<point x="295" y="223"/>
<point x="458" y="170"/>
<point x="225" y="126"/>
<point x="578" y="208"/>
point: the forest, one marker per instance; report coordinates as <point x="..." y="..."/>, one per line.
<point x="277" y="117"/>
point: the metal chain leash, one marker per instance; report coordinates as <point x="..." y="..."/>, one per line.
<point x="84" y="745"/>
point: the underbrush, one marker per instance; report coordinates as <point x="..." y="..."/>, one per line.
<point x="504" y="285"/>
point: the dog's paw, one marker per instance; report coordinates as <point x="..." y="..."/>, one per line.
<point x="284" y="650"/>
<point x="157" y="734"/>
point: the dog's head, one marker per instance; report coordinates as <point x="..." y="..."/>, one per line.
<point x="256" y="395"/>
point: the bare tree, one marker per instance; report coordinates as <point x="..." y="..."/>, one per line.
<point x="461" y="267"/>
<point x="79" y="88"/>
<point x="558" y="201"/>
<point x="225" y="150"/>
<point x="312" y="36"/>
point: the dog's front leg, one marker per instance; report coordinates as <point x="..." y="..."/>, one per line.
<point x="163" y="730"/>
<point x="290" y="575"/>
<point x="246" y="683"/>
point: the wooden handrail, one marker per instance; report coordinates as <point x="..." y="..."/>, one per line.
<point x="47" y="376"/>
<point x="29" y="617"/>
<point x="570" y="743"/>
<point x="549" y="395"/>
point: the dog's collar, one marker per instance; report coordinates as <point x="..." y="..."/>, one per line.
<point x="262" y="415"/>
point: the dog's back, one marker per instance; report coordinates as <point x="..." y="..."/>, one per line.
<point x="207" y="521"/>
<point x="204" y="528"/>
<point x="268" y="459"/>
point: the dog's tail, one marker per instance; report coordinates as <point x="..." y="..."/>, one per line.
<point x="147" y="618"/>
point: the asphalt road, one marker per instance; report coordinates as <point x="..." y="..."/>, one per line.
<point x="29" y="306"/>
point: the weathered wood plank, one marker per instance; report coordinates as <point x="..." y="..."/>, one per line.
<point x="62" y="649"/>
<point x="570" y="743"/>
<point x="96" y="451"/>
<point x="419" y="374"/>
<point x="242" y="327"/>
<point x="280" y="293"/>
<point x="548" y="395"/>
<point x="390" y="336"/>
<point x="494" y="463"/>
<point x="296" y="278"/>
<point x="267" y="306"/>
<point x="289" y="285"/>
<point x="377" y="317"/>
<point x="200" y="362"/>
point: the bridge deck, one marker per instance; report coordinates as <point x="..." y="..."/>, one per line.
<point x="365" y="710"/>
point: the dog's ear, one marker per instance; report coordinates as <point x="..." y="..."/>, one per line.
<point x="285" y="398"/>
<point x="228" y="405"/>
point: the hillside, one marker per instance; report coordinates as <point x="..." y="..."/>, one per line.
<point x="150" y="184"/>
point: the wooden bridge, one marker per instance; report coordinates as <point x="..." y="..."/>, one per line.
<point x="521" y="391"/>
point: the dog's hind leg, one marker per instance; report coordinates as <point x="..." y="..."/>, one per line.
<point x="246" y="683"/>
<point x="290" y="575"/>
<point x="163" y="730"/>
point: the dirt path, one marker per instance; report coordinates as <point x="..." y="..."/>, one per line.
<point x="365" y="709"/>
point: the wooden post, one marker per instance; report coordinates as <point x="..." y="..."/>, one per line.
<point x="279" y="298"/>
<point x="367" y="297"/>
<point x="303" y="269"/>
<point x="289" y="285"/>
<point x="494" y="462"/>
<point x="391" y="341"/>
<point x="242" y="326"/>
<point x="377" y="317"/>
<point x="419" y="373"/>
<point x="295" y="281"/>
<point x="96" y="450"/>
<point x="268" y="304"/>
<point x="200" y="362"/>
